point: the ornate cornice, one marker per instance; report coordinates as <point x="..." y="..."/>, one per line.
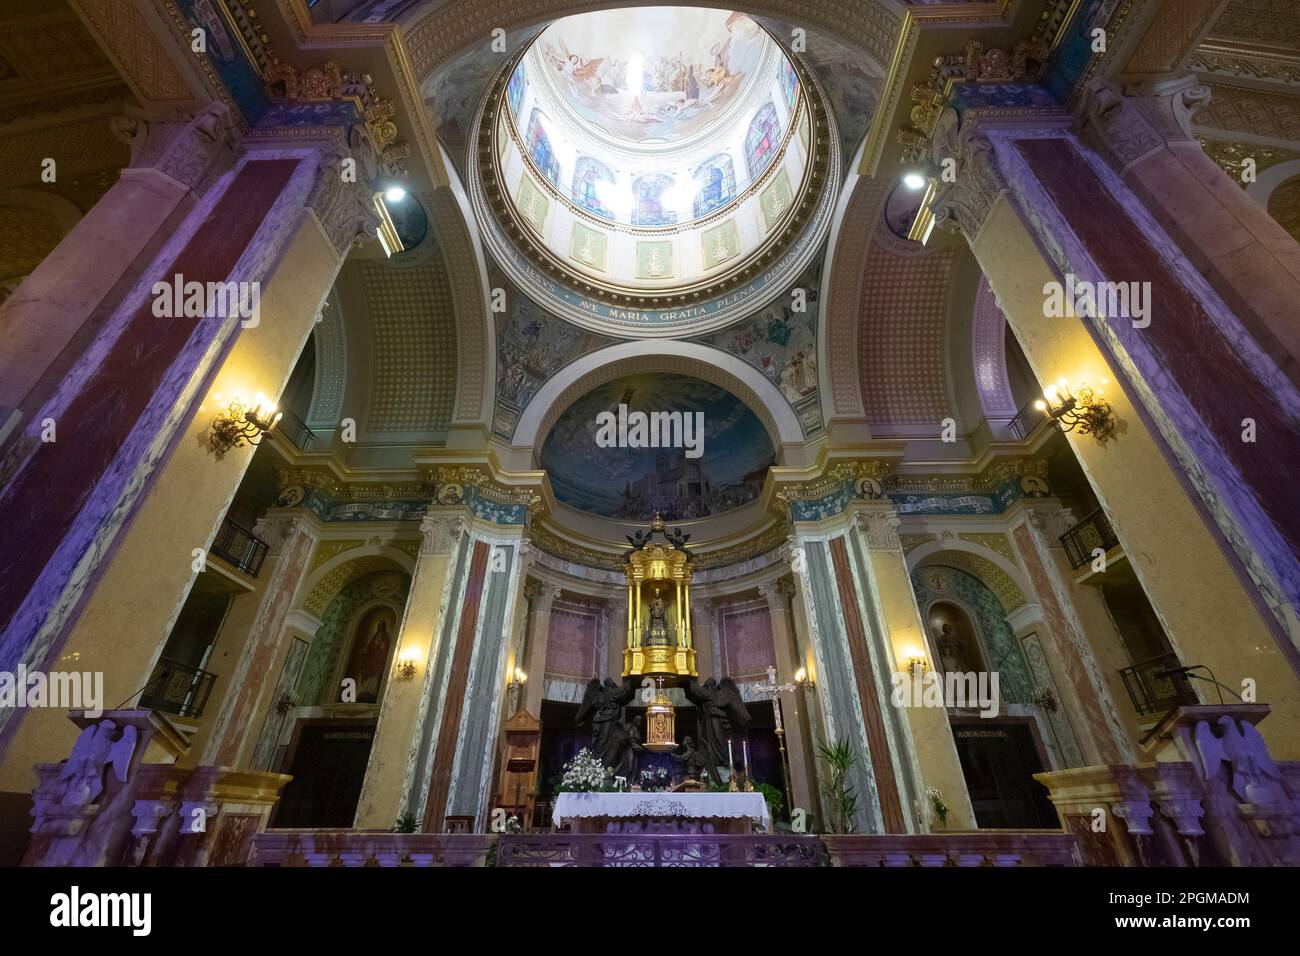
<point x="193" y="150"/>
<point x="1124" y="128"/>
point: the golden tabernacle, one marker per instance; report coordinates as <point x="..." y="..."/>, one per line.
<point x="659" y="607"/>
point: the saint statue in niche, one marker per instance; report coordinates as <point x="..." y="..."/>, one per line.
<point x="955" y="640"/>
<point x="370" y="651"/>
<point x="658" y="620"/>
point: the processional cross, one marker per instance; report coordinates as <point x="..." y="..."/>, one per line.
<point x="771" y="690"/>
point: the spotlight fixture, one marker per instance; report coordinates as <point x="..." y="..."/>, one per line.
<point x="242" y="424"/>
<point x="1087" y="411"/>
<point x="914" y="181"/>
<point x="394" y="194"/>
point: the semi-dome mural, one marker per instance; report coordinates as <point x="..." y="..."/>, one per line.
<point x="726" y="455"/>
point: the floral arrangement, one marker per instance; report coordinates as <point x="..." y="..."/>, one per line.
<point x="936" y="803"/>
<point x="585" y="774"/>
<point x="655" y="780"/>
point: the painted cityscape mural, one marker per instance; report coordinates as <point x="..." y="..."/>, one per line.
<point x="637" y="483"/>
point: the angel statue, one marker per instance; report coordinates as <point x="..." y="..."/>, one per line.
<point x="602" y="704"/>
<point x="696" y="764"/>
<point x="628" y="746"/>
<point x="721" y="709"/>
<point x="83" y="771"/>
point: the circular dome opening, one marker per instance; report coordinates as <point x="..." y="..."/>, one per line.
<point x="654" y="160"/>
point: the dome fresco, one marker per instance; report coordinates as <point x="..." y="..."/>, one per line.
<point x="653" y="75"/>
<point x="652" y="117"/>
<point x="672" y="167"/>
<point x="734" y="452"/>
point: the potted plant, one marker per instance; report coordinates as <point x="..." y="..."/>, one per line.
<point x="841" y="800"/>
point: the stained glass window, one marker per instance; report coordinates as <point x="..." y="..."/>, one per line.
<point x="515" y="90"/>
<point x="716" y="177"/>
<point x="648" y="193"/>
<point x="586" y="173"/>
<point x="789" y="82"/>
<point x="539" y="147"/>
<point x="762" y="140"/>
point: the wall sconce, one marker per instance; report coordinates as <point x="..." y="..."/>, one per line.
<point x="242" y="424"/>
<point x="406" y="667"/>
<point x="1086" y="411"/>
<point x="520" y="676"/>
<point x="917" y="665"/>
<point x="801" y="679"/>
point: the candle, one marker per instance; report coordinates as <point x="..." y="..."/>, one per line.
<point x="745" y="746"/>
<point x="730" y="759"/>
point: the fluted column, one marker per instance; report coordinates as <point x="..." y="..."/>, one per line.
<point x="795" y="706"/>
<point x="1189" y="492"/>
<point x="898" y="634"/>
<point x="255" y="638"/>
<point x="616" y="637"/>
<point x="103" y="578"/>
<point x="1085" y="648"/>
<point x="541" y="596"/>
<point x="705" y="664"/>
<point x="52" y="316"/>
<point x="429" y="602"/>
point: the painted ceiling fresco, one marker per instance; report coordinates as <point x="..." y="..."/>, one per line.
<point x="850" y="82"/>
<point x="653" y="74"/>
<point x="637" y="483"/>
<point x="780" y="340"/>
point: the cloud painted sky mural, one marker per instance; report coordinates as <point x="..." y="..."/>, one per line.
<point x="638" y="482"/>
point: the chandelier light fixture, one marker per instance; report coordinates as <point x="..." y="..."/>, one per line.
<point x="1085" y="410"/>
<point x="242" y="424"/>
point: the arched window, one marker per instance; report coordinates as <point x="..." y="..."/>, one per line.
<point x="648" y="201"/>
<point x="539" y="147"/>
<point x="789" y="83"/>
<point x="587" y="172"/>
<point x="762" y="140"/>
<point x="515" y="90"/>
<point x="716" y="177"/>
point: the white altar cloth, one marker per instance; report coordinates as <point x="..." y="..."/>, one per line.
<point x="698" y="805"/>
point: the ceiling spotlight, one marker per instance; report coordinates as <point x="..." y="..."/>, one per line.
<point x="914" y="181"/>
<point x="394" y="194"/>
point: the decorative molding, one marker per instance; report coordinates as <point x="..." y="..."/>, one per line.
<point x="440" y="534"/>
<point x="194" y="151"/>
<point x="1124" y="128"/>
<point x="880" y="529"/>
<point x="346" y="209"/>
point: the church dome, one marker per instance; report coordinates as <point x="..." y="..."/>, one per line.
<point x="651" y="171"/>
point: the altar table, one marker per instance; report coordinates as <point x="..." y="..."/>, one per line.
<point x="682" y="812"/>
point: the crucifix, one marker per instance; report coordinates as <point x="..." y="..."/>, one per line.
<point x="771" y="690"/>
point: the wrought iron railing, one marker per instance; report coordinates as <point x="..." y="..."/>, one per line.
<point x="657" y="849"/>
<point x="1087" y="536"/>
<point x="295" y="429"/>
<point x="177" y="689"/>
<point x="239" y="548"/>
<point x="1027" y="419"/>
<point x="1158" y="685"/>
